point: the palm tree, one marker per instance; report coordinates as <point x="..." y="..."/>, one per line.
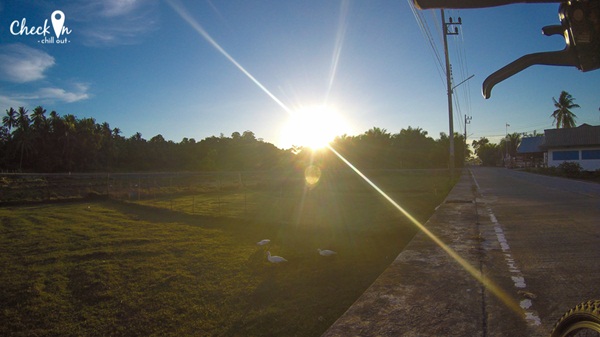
<point x="10" y="120"/>
<point x="39" y="134"/>
<point x="68" y="136"/>
<point x="410" y="145"/>
<point x="511" y="143"/>
<point x="25" y="143"/>
<point x="54" y="121"/>
<point x="38" y="117"/>
<point x="8" y="123"/>
<point x="377" y="133"/>
<point x="23" y="134"/>
<point x="563" y="117"/>
<point x="23" y="121"/>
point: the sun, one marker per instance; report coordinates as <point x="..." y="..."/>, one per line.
<point x="313" y="126"/>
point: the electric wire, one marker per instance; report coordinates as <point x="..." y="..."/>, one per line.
<point x="426" y="34"/>
<point x="526" y="129"/>
<point x="461" y="98"/>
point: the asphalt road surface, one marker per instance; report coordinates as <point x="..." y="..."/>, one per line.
<point x="541" y="244"/>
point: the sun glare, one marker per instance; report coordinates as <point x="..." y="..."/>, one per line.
<point x="313" y="126"/>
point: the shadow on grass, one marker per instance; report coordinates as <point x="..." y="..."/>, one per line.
<point x="163" y="215"/>
<point x="122" y="268"/>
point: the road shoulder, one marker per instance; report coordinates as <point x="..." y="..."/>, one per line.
<point x="425" y="292"/>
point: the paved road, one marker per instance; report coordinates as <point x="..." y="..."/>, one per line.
<point x="541" y="239"/>
<point x="537" y="238"/>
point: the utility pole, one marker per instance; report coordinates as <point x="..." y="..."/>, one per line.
<point x="467" y="121"/>
<point x="506" y="157"/>
<point x="446" y="25"/>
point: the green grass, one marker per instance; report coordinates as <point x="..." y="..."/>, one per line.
<point x="141" y="269"/>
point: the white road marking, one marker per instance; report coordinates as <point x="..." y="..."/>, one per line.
<point x="518" y="279"/>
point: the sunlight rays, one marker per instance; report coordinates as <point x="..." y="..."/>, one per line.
<point x="178" y="7"/>
<point x="475" y="273"/>
<point x="339" y="42"/>
<point x="487" y="283"/>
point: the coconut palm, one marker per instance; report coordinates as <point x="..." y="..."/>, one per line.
<point x="10" y="120"/>
<point x="68" y="124"/>
<point x="377" y="133"/>
<point x="54" y="120"/>
<point x="563" y="117"/>
<point x="23" y="134"/>
<point x="23" y="121"/>
<point x="38" y="118"/>
<point x="511" y="143"/>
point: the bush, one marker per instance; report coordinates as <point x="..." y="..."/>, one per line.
<point x="570" y="169"/>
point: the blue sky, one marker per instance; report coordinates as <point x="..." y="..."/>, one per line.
<point x="144" y="66"/>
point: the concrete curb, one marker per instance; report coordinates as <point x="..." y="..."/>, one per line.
<point x="425" y="292"/>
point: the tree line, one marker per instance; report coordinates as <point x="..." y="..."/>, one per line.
<point x="38" y="141"/>
<point x="42" y="142"/>
<point x="491" y="154"/>
<point x="411" y="148"/>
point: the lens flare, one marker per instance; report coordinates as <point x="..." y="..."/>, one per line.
<point x="476" y="274"/>
<point x="312" y="175"/>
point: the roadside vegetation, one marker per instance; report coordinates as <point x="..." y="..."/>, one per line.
<point x="570" y="170"/>
<point x="40" y="142"/>
<point x="138" y="268"/>
<point x="106" y="235"/>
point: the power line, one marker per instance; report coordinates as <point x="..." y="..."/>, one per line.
<point x="424" y="26"/>
<point x="464" y="65"/>
<point x="426" y="34"/>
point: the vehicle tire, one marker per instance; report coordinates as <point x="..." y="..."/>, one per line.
<point x="583" y="320"/>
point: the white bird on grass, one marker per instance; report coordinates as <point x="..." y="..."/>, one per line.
<point x="326" y="252"/>
<point x="263" y="242"/>
<point x="275" y="259"/>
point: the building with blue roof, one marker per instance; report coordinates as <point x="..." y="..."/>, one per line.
<point x="556" y="146"/>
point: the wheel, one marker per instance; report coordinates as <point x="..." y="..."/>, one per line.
<point x="583" y="320"/>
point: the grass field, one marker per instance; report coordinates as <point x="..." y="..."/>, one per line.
<point x="142" y="269"/>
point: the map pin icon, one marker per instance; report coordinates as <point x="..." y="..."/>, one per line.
<point x="58" y="21"/>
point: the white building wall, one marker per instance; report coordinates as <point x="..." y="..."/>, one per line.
<point x="586" y="164"/>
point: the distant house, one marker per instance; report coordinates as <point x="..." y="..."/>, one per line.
<point x="580" y="144"/>
<point x="530" y="152"/>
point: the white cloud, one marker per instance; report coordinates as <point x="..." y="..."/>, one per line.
<point x="59" y="94"/>
<point x="113" y="22"/>
<point x="53" y="94"/>
<point x="10" y="102"/>
<point x="119" y="7"/>
<point x="20" y="63"/>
